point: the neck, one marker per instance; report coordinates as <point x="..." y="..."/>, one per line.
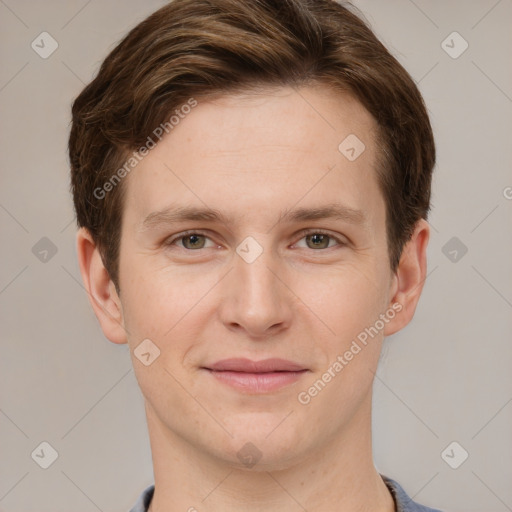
<point x="338" y="475"/>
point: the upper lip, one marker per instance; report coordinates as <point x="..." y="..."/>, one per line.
<point x="249" y="366"/>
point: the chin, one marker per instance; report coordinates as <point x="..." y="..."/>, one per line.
<point x="264" y="442"/>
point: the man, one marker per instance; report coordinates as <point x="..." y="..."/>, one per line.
<point x="252" y="182"/>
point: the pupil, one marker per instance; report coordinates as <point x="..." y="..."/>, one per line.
<point x="193" y="240"/>
<point x="319" y="239"/>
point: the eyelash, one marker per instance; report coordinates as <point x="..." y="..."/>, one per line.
<point x="302" y="235"/>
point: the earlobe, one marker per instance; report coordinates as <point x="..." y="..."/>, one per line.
<point x="100" y="288"/>
<point x="409" y="278"/>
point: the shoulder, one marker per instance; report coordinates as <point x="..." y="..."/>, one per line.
<point x="144" y="500"/>
<point x="403" y="502"/>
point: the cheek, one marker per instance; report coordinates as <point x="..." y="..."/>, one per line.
<point x="350" y="304"/>
<point x="347" y="300"/>
<point x="165" y="306"/>
<point x="160" y="307"/>
<point x="144" y="307"/>
<point x="151" y="295"/>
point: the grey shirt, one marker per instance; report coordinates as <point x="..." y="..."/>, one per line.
<point x="402" y="502"/>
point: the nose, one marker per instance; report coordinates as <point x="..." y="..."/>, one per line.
<point x="255" y="298"/>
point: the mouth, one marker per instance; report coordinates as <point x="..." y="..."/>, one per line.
<point x="256" y="376"/>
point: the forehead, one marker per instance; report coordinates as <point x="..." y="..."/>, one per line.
<point x="261" y="153"/>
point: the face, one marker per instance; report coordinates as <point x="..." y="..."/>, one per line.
<point x="249" y="235"/>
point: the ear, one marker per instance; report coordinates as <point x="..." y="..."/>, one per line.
<point x="100" y="288"/>
<point x="408" y="280"/>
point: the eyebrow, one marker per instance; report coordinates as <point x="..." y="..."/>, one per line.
<point x="190" y="213"/>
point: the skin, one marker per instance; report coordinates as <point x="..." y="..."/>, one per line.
<point x="252" y="156"/>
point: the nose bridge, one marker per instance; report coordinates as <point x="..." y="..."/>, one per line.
<point x="256" y="299"/>
<point x="253" y="260"/>
<point x="256" y="277"/>
<point x="257" y="282"/>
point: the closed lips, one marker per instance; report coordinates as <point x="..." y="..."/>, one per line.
<point x="256" y="377"/>
<point x="249" y="366"/>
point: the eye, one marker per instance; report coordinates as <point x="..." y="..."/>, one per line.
<point x="190" y="240"/>
<point x="314" y="239"/>
<point x="320" y="240"/>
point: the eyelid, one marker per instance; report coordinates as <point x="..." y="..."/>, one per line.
<point x="178" y="236"/>
<point x="303" y="233"/>
<point x="312" y="231"/>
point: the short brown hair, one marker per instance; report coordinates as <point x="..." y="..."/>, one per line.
<point x="196" y="48"/>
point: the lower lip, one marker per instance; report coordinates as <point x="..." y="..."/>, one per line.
<point x="257" y="382"/>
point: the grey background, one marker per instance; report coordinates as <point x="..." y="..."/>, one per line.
<point x="445" y="378"/>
